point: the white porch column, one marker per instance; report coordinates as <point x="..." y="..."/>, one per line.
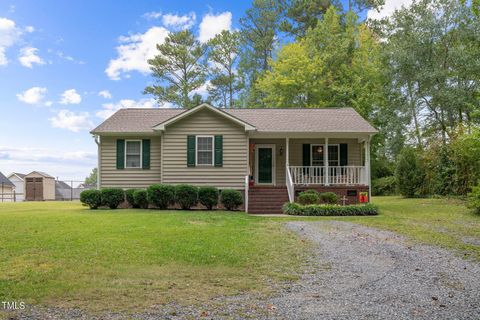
<point x="367" y="167"/>
<point x="287" y="147"/>
<point x="325" y="163"/>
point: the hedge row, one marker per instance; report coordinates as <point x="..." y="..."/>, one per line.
<point x="296" y="209"/>
<point x="163" y="196"/>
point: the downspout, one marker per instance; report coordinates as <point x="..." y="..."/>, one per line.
<point x="97" y="141"/>
<point x="369" y="171"/>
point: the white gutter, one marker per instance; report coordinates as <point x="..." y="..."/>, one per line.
<point x="97" y="141"/>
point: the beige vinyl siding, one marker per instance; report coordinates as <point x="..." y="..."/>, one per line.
<point x="110" y="176"/>
<point x="205" y="122"/>
<point x="296" y="150"/>
<point x="279" y="159"/>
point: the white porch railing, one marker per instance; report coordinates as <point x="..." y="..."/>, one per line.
<point x="338" y="175"/>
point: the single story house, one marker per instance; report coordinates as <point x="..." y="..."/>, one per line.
<point x="6" y="189"/>
<point x="268" y="154"/>
<point x="18" y="180"/>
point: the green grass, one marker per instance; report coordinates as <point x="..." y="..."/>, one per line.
<point x="64" y="254"/>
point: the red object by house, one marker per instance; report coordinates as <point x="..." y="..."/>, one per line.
<point x="363" y="197"/>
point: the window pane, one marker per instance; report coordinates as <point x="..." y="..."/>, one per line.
<point x="317" y="155"/>
<point x="333" y="156"/>
<point x="133" y="147"/>
<point x="133" y="161"/>
<point x="205" y="157"/>
<point x="205" y="143"/>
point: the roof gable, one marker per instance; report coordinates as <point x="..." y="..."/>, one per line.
<point x="4" y="181"/>
<point x="205" y="106"/>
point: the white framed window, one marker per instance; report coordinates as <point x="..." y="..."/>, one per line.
<point x="205" y="151"/>
<point x="316" y="155"/>
<point x="133" y="153"/>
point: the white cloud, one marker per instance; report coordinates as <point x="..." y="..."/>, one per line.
<point x="71" y="96"/>
<point x="66" y="165"/>
<point x="33" y="95"/>
<point x="179" y="22"/>
<point x="64" y="56"/>
<point x="110" y="108"/>
<point x="152" y="15"/>
<point x="28" y="56"/>
<point x="105" y="94"/>
<point x="29" y="29"/>
<point x="212" y="25"/>
<point x="387" y="9"/>
<point x="134" y="52"/>
<point x="9" y="34"/>
<point x="202" y="90"/>
<point x="73" y="121"/>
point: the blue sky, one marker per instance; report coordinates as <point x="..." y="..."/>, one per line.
<point x="66" y="65"/>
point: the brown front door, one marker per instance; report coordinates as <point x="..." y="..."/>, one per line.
<point x="34" y="189"/>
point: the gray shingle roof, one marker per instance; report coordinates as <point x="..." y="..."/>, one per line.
<point x="264" y="120"/>
<point x="4" y="180"/>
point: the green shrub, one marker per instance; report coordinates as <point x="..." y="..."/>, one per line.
<point x="385" y="186"/>
<point x="329" y="197"/>
<point x="129" y="197"/>
<point x="161" y="195"/>
<point x="112" y="197"/>
<point x="91" y="198"/>
<point x="140" y="198"/>
<point x="186" y="196"/>
<point x="329" y="210"/>
<point x="409" y="174"/>
<point x="308" y="197"/>
<point x="208" y="196"/>
<point x="231" y="199"/>
<point x="473" y="199"/>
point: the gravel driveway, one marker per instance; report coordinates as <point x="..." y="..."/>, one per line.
<point x="355" y="273"/>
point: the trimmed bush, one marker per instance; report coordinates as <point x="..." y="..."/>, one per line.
<point x="296" y="209"/>
<point x="329" y="197"/>
<point x="91" y="198"/>
<point x="385" y="186"/>
<point x="231" y="199"/>
<point x="112" y="197"/>
<point x="129" y="197"/>
<point x="140" y="198"/>
<point x="161" y="195"/>
<point x="473" y="200"/>
<point x="208" y="197"/>
<point x="186" y="196"/>
<point x="308" y="197"/>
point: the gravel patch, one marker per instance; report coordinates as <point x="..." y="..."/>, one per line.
<point x="354" y="272"/>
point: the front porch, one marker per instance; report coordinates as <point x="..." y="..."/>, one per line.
<point x="280" y="168"/>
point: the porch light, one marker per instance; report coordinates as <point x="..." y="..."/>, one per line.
<point x="320" y="149"/>
<point x="281" y="151"/>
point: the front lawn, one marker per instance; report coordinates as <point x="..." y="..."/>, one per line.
<point x="63" y="254"/>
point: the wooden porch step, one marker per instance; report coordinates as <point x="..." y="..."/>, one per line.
<point x="267" y="199"/>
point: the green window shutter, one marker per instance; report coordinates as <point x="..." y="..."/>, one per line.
<point x="306" y="155"/>
<point x="343" y="154"/>
<point x="190" y="151"/>
<point x="146" y="154"/>
<point x="218" y="151"/>
<point x="120" y="153"/>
